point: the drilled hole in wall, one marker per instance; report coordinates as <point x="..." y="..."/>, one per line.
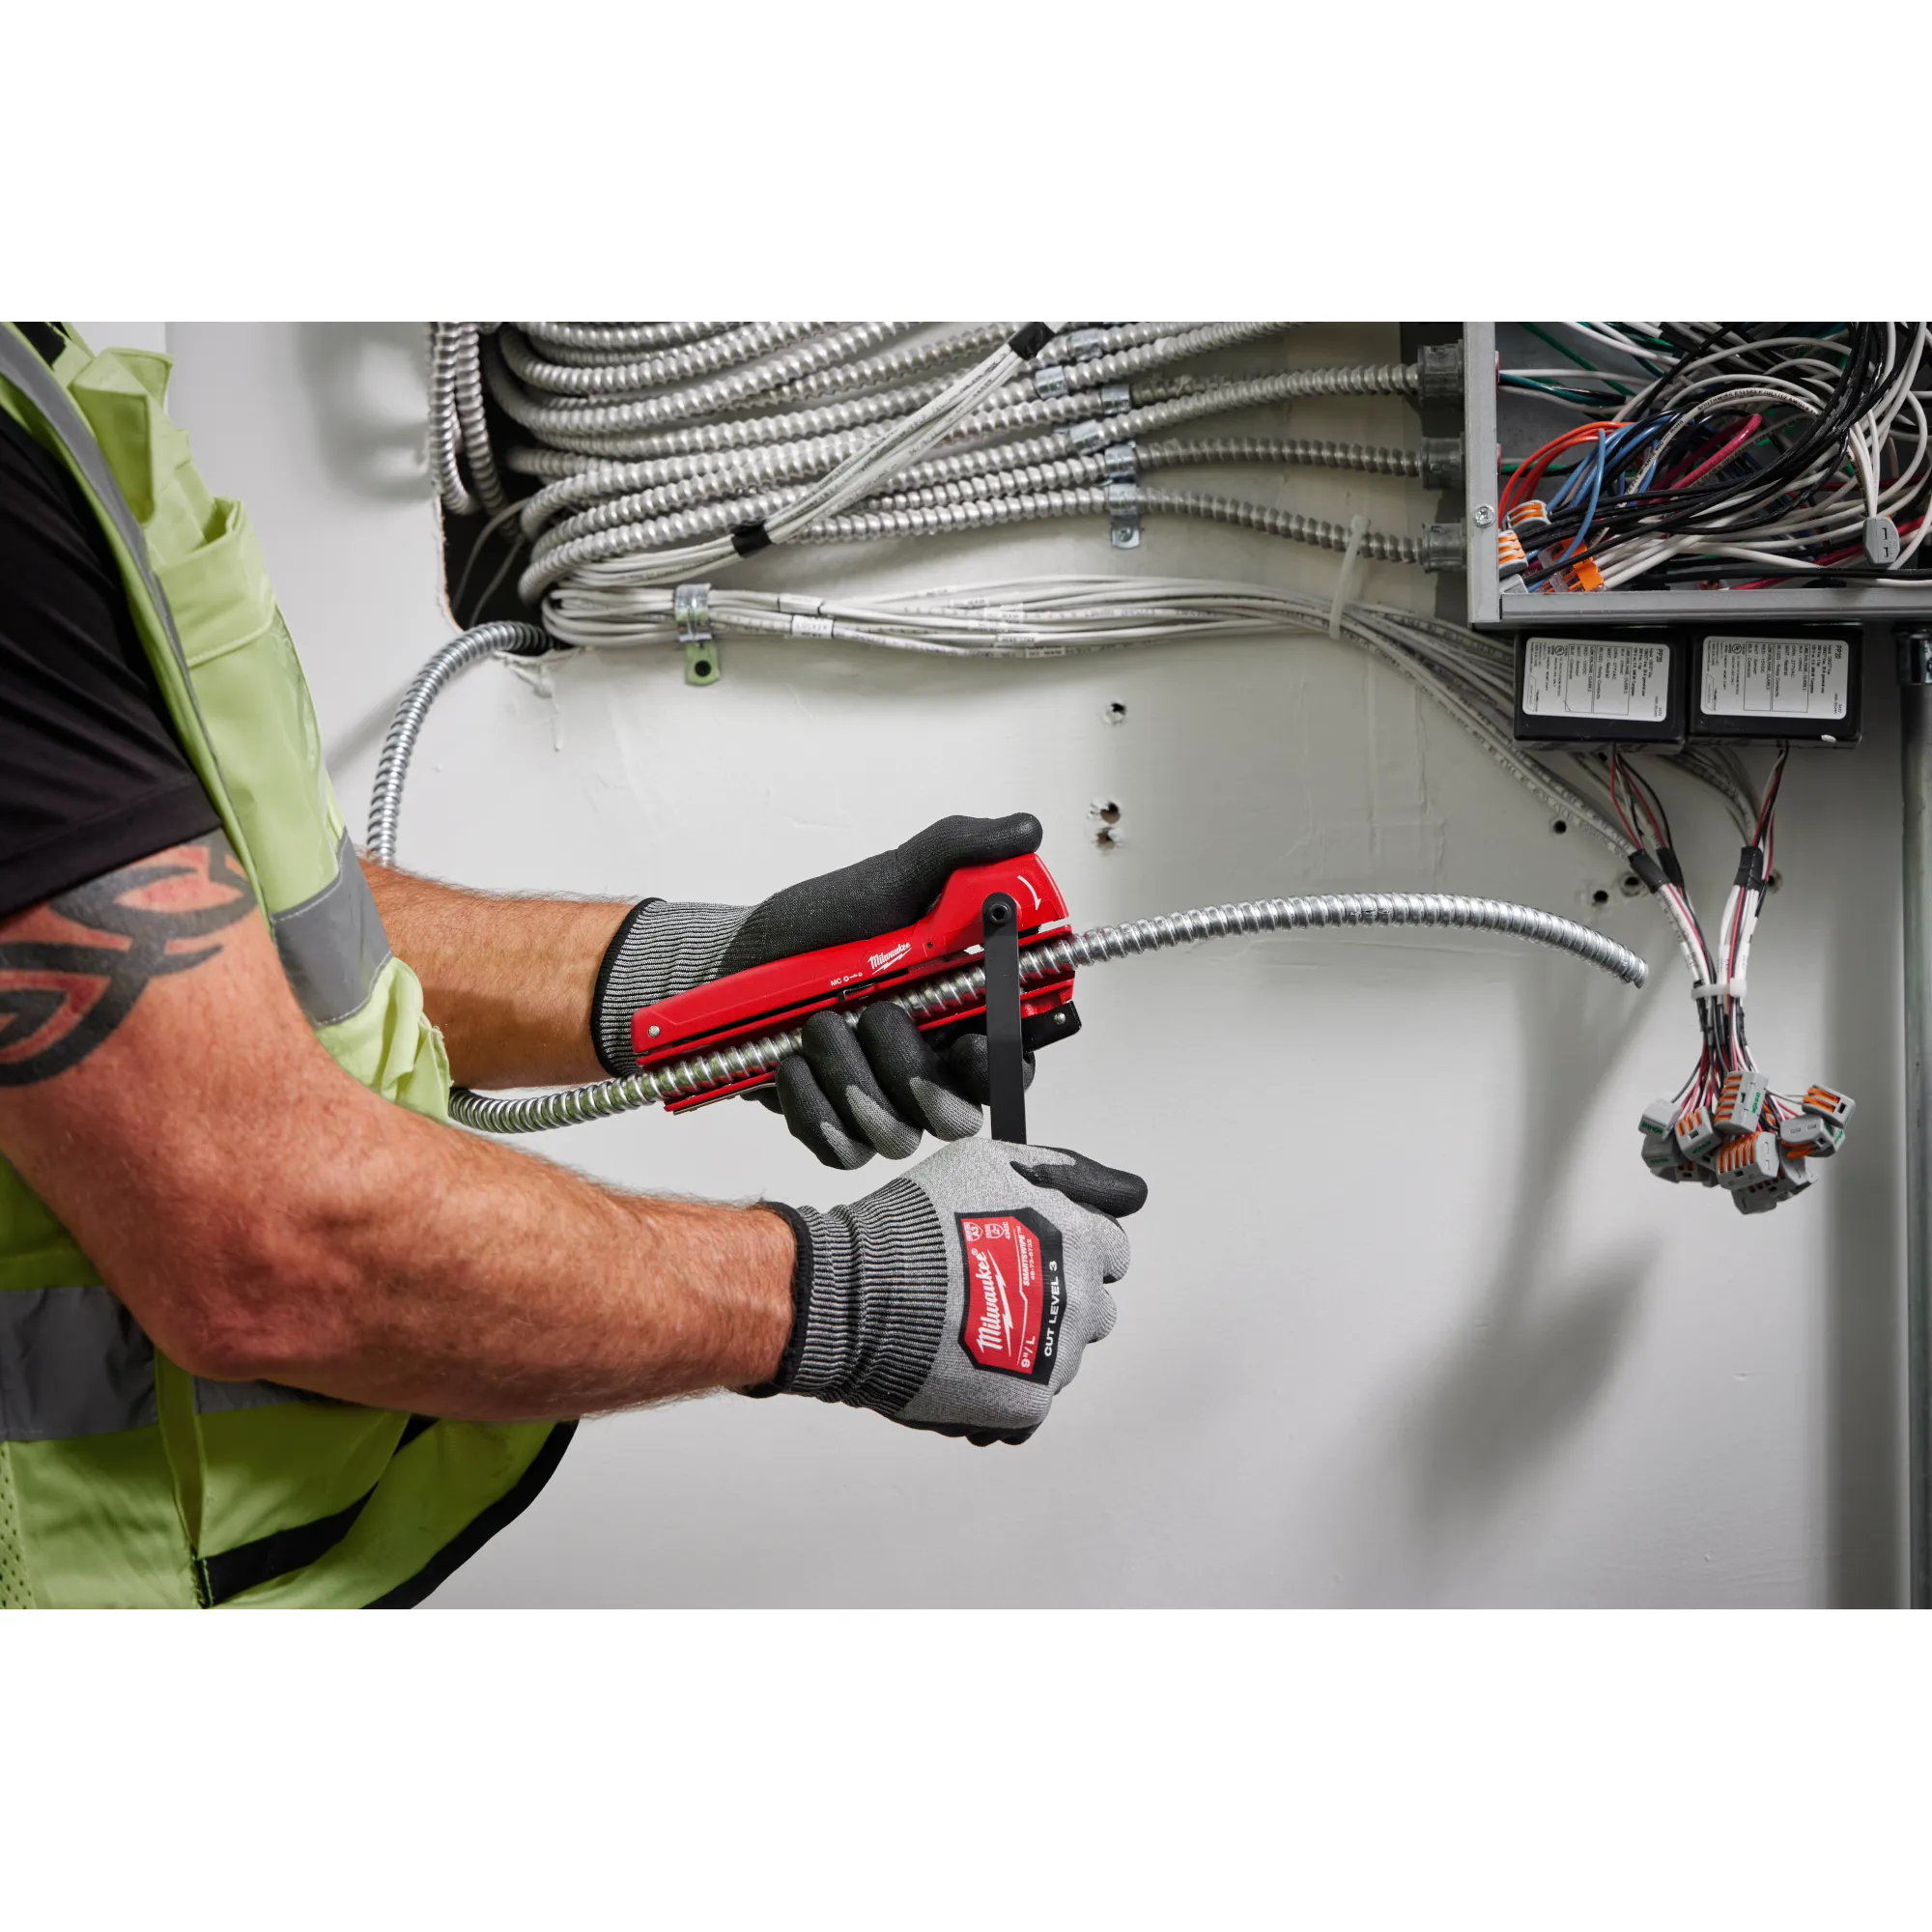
<point x="1631" y="887"/>
<point x="1601" y="897"/>
<point x="1559" y="825"/>
<point x="1115" y="713"/>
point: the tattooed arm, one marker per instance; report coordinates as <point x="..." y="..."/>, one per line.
<point x="71" y="970"/>
<point x="508" y="980"/>
<point x="264" y="1216"/>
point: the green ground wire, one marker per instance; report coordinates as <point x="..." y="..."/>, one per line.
<point x="1570" y="355"/>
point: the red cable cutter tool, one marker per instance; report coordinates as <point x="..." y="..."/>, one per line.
<point x="985" y="915"/>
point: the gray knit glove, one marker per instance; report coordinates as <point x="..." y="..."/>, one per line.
<point x="959" y="1297"/>
<point x="848" y="1094"/>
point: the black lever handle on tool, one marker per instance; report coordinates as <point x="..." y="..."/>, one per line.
<point x="1006" y="1061"/>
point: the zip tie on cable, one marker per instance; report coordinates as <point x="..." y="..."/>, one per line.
<point x="1347" y="584"/>
<point x="1718" y="989"/>
<point x="1026" y="343"/>
<point x="749" y="538"/>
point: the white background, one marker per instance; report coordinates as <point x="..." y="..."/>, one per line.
<point x="1408" y="1322"/>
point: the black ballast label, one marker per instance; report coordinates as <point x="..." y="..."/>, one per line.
<point x="1586" y="677"/>
<point x="1775" y="677"/>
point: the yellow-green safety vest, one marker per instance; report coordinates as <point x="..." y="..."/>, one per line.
<point x="125" y="1480"/>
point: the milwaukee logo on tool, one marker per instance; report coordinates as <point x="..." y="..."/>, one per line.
<point x="1014" y="1293"/>
<point x="879" y="962"/>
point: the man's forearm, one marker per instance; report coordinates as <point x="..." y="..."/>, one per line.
<point x="428" y="1270"/>
<point x="265" y="1217"/>
<point x="507" y="979"/>
<point x="348" y="1246"/>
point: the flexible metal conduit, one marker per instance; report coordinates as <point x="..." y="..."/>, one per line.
<point x="503" y="1114"/>
<point x="392" y="768"/>
<point x="702" y="1074"/>
<point x="637" y="521"/>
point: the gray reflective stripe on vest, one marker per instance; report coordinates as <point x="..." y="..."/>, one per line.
<point x="224" y="1398"/>
<point x="72" y="1362"/>
<point x="331" y="945"/>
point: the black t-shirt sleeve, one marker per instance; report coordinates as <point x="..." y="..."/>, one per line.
<point x="91" y="776"/>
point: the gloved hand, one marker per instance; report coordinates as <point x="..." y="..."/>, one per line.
<point x="848" y="1093"/>
<point x="960" y="1296"/>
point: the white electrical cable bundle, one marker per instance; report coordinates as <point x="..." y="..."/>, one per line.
<point x="1466" y="674"/>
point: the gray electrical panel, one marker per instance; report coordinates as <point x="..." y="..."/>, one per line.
<point x="1504" y="423"/>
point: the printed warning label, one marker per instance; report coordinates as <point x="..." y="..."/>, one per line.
<point x="1580" y="677"/>
<point x="1772" y="677"/>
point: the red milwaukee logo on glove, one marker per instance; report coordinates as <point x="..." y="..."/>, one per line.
<point x="1016" y="1292"/>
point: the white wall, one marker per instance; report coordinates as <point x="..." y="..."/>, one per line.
<point x="1408" y="1323"/>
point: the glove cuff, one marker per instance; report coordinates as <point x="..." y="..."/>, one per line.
<point x="661" y="947"/>
<point x="868" y="1299"/>
<point x="786" y="1372"/>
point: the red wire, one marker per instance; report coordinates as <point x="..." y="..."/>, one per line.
<point x="1520" y="487"/>
<point x="1730" y="449"/>
<point x="1904" y="529"/>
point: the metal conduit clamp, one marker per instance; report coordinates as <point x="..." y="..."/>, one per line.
<point x="1123" y="494"/>
<point x="691" y="605"/>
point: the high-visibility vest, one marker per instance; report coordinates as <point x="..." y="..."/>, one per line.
<point x="125" y="1480"/>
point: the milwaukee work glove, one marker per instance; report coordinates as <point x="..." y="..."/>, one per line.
<point x="846" y="1093"/>
<point x="960" y="1296"/>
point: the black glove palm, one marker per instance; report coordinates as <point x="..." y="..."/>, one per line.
<point x="848" y="1093"/>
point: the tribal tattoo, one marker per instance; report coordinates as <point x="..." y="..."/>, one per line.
<point x="71" y="970"/>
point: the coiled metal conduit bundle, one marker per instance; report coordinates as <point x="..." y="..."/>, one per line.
<point x="662" y="444"/>
<point x="620" y="492"/>
<point x="862" y="525"/>
<point x="505" y="1114"/>
<point x="628" y="524"/>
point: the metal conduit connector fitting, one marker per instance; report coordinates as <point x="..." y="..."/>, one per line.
<point x="1442" y="546"/>
<point x="1443" y="463"/>
<point x="1438" y="372"/>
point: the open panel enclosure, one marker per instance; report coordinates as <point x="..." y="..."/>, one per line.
<point x="1513" y="406"/>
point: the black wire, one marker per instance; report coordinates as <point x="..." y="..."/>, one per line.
<point x="1801" y="445"/>
<point x="1631" y="773"/>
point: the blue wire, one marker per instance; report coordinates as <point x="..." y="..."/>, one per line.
<point x="1611" y="456"/>
<point x="1604" y="441"/>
